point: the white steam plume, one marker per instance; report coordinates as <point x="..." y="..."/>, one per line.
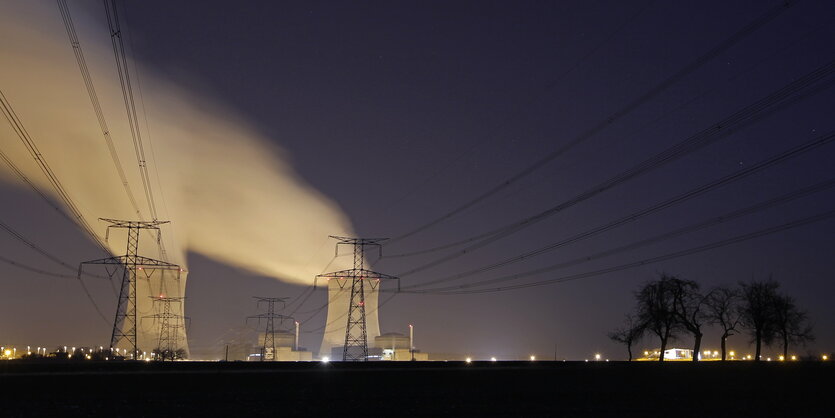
<point x="228" y="191"/>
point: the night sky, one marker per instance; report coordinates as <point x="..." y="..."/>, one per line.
<point x="401" y="112"/>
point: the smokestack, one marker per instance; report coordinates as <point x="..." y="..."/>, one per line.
<point x="296" y="343"/>
<point x="412" y="341"/>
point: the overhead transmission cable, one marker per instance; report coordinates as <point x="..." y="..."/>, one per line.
<point x="60" y="191"/>
<point x="650" y="94"/>
<point x="717" y="220"/>
<point x="690" y="194"/>
<point x="130" y="105"/>
<point x="156" y="165"/>
<point x="633" y="132"/>
<point x="94" y="100"/>
<point x="541" y="94"/>
<point x="32" y="186"/>
<point x="18" y="236"/>
<point x="122" y="67"/>
<point x="35" y="269"/>
<point x="678" y="254"/>
<point x="798" y="89"/>
<point x="29" y="143"/>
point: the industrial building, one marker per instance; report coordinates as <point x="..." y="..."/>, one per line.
<point x="286" y="348"/>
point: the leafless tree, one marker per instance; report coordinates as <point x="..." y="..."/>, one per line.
<point x="689" y="308"/>
<point x="723" y="309"/>
<point x="631" y="332"/>
<point x="757" y="312"/>
<point x="656" y="310"/>
<point x="791" y="325"/>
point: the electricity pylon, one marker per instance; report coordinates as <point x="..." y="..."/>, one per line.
<point x="170" y="326"/>
<point x="356" y="337"/>
<point x="268" y="349"/>
<point x="125" y="324"/>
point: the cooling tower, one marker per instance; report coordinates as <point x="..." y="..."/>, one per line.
<point x="150" y="285"/>
<point x="339" y="298"/>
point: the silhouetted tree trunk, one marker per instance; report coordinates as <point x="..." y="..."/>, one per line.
<point x="697" y="345"/>
<point x="688" y="306"/>
<point x="656" y="309"/>
<point x="723" y="309"/>
<point x="791" y="324"/>
<point x="785" y="347"/>
<point x="759" y="339"/>
<point x="632" y="331"/>
<point x="724" y="346"/>
<point x="757" y="312"/>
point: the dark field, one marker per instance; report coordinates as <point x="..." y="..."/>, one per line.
<point x="615" y="389"/>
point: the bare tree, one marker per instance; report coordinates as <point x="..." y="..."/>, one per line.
<point x="791" y="324"/>
<point x="169" y="355"/>
<point x="723" y="309"/>
<point x="757" y="312"/>
<point x="656" y="310"/>
<point x="689" y="308"/>
<point x="631" y="332"/>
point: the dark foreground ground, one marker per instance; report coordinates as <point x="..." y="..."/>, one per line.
<point x="740" y="389"/>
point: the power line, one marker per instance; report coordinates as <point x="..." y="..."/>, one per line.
<point x="148" y="131"/>
<point x="760" y="63"/>
<point x="816" y="188"/>
<point x="29" y="143"/>
<point x="34" y="269"/>
<point x="130" y="105"/>
<point x="94" y="100"/>
<point x="309" y="290"/>
<point x="799" y="89"/>
<point x="122" y="67"/>
<point x="31" y="185"/>
<point x="650" y="94"/>
<point x="739" y="238"/>
<point x="695" y="192"/>
<point x="542" y="93"/>
<point x="20" y="130"/>
<point x="18" y="236"/>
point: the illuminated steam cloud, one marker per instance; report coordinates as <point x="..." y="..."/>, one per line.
<point x="230" y="193"/>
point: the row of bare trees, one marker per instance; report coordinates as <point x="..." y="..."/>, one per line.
<point x="669" y="308"/>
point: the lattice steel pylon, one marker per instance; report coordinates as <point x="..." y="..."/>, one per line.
<point x="171" y="324"/>
<point x="268" y="348"/>
<point x="125" y="324"/>
<point x="356" y="337"/>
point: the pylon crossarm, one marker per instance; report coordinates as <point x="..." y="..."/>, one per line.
<point x="358" y="273"/>
<point x="118" y="223"/>
<point x="138" y="261"/>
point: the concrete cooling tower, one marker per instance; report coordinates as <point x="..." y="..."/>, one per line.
<point x="339" y="299"/>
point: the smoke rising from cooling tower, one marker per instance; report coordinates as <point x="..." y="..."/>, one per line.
<point x="230" y="193"/>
